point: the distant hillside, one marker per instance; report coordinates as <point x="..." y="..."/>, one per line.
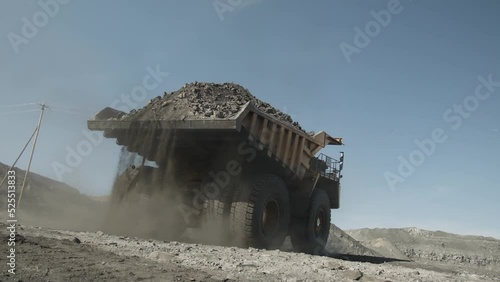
<point x="436" y="246"/>
<point x="50" y="203"/>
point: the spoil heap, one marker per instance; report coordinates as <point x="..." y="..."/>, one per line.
<point x="200" y="100"/>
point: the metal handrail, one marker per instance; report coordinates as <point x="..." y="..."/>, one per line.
<point x="326" y="166"/>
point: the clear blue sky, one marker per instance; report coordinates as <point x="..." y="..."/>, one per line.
<point x="393" y="91"/>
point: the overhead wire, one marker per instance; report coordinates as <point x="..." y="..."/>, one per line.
<point x="18" y="112"/>
<point x="17" y="105"/>
<point x="59" y="108"/>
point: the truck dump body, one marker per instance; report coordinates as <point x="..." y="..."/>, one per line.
<point x="290" y="146"/>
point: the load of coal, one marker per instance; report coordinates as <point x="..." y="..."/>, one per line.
<point x="199" y="100"/>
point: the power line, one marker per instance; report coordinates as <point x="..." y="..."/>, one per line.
<point x="43" y="106"/>
<point x="42" y="110"/>
<point x="18" y="112"/>
<point x="17" y="105"/>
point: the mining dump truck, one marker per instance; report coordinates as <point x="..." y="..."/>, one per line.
<point x="252" y="177"/>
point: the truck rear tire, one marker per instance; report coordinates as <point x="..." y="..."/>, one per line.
<point x="310" y="234"/>
<point x="260" y="212"/>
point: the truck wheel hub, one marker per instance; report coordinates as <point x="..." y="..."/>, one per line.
<point x="320" y="223"/>
<point x="270" y="217"/>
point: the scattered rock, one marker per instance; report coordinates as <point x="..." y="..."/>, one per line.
<point x="19" y="238"/>
<point x="182" y="261"/>
<point x="160" y="256"/>
<point x="353" y="274"/>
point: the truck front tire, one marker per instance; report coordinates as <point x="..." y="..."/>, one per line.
<point x="260" y="212"/>
<point x="310" y="234"/>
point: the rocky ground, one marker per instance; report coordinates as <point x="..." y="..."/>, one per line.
<point x="54" y="255"/>
<point x="48" y="251"/>
<point x="201" y="100"/>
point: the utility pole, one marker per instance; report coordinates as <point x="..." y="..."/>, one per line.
<point x="43" y="107"/>
<point x="18" y="157"/>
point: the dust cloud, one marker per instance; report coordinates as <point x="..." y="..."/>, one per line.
<point x="149" y="202"/>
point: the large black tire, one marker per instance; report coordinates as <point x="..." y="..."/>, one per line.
<point x="310" y="234"/>
<point x="260" y="212"/>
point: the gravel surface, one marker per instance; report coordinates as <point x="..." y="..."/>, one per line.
<point x="57" y="256"/>
<point x="408" y="254"/>
<point x="201" y="100"/>
<point x="45" y="256"/>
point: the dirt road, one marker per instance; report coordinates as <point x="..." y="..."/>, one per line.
<point x="53" y="255"/>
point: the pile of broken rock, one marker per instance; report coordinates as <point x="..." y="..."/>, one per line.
<point x="200" y="100"/>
